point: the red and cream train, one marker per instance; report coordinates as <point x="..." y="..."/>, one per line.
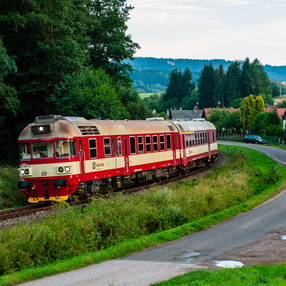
<point x="62" y="156"/>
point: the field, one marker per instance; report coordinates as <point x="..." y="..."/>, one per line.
<point x="114" y="227"/>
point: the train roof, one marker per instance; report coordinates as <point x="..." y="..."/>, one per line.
<point x="51" y="126"/>
<point x="194" y="125"/>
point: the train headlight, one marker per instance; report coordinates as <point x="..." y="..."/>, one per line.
<point x="26" y="171"/>
<point x="64" y="169"/>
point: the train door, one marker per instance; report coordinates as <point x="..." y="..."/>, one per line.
<point x="208" y="138"/>
<point x="114" y="151"/>
<point x="81" y="157"/>
<point x="183" y="149"/>
<point x="174" y="148"/>
<point x="126" y="157"/>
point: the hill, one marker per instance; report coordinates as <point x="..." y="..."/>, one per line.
<point x="152" y="74"/>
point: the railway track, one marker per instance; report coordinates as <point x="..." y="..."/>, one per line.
<point x="23" y="211"/>
<point x="33" y="209"/>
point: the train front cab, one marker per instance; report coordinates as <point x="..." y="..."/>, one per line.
<point x="49" y="169"/>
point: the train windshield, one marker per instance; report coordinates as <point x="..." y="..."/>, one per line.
<point x="25" y="151"/>
<point x="43" y="149"/>
<point x="65" y="148"/>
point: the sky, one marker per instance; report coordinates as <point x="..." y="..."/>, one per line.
<point x="210" y="29"/>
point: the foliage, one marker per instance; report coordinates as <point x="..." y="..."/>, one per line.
<point x="10" y="195"/>
<point x="215" y="87"/>
<point x="179" y="88"/>
<point x="206" y="86"/>
<point x="225" y="120"/>
<point x="233" y="82"/>
<point x="89" y="94"/>
<point x="250" y="107"/>
<point x="8" y="95"/>
<point x="267" y="123"/>
<point x="45" y="44"/>
<point x="219" y="90"/>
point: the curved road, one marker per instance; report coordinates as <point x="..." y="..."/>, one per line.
<point x="195" y="251"/>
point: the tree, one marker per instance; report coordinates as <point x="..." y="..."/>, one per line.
<point x="245" y="78"/>
<point x="206" y="86"/>
<point x="233" y="83"/>
<point x="219" y="91"/>
<point x="251" y="107"/>
<point x="109" y="44"/>
<point x="259" y="80"/>
<point x="90" y="94"/>
<point x="268" y="123"/>
<point x="225" y="120"/>
<point x="179" y="89"/>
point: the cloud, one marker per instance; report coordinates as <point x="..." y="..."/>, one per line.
<point x="232" y="29"/>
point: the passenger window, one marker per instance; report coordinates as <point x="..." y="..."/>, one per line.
<point x="92" y="148"/>
<point x="119" y="146"/>
<point x="155" y="142"/>
<point x="132" y="145"/>
<point x="162" y="142"/>
<point x="107" y="149"/>
<point x="140" y="144"/>
<point x="168" y="137"/>
<point x="148" y="143"/>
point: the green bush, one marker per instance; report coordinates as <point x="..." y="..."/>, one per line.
<point x="10" y="195"/>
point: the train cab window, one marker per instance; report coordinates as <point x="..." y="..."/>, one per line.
<point x="65" y="148"/>
<point x="162" y="142"/>
<point x="168" y="137"/>
<point x="119" y="146"/>
<point x="148" y="143"/>
<point x="132" y="145"/>
<point x="43" y="150"/>
<point x="92" y="148"/>
<point x="107" y="147"/>
<point x="25" y="151"/>
<point x="140" y="144"/>
<point x="155" y="142"/>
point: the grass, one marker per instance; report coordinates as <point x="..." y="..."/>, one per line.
<point x="255" y="275"/>
<point x="9" y="193"/>
<point x="124" y="224"/>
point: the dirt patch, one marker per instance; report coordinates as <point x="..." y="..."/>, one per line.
<point x="270" y="249"/>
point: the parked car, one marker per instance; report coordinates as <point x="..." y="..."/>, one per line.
<point x="254" y="139"/>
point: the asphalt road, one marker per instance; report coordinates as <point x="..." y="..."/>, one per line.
<point x="274" y="153"/>
<point x="196" y="251"/>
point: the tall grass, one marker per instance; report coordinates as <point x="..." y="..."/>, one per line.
<point x="107" y="222"/>
<point x="10" y="195"/>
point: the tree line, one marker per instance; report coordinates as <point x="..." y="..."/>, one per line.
<point x="216" y="87"/>
<point x="64" y="57"/>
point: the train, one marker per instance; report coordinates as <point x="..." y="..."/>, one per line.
<point x="65" y="156"/>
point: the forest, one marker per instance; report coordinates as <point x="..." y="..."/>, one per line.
<point x="151" y="75"/>
<point x="75" y="58"/>
<point x="64" y="57"/>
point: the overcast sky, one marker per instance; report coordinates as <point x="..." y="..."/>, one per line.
<point x="210" y="29"/>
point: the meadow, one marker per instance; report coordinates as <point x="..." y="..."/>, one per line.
<point x="112" y="227"/>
